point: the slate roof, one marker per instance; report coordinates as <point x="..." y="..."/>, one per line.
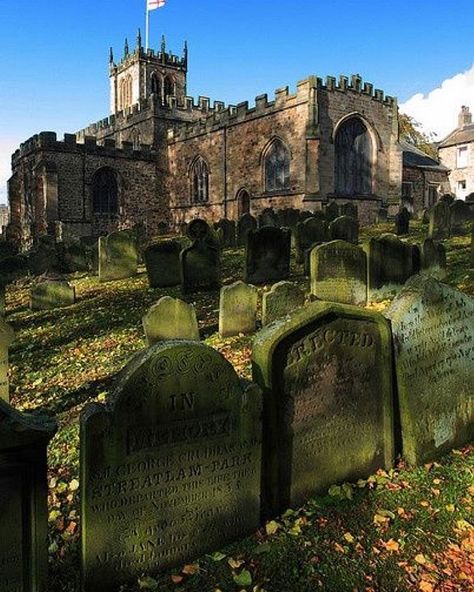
<point x="461" y="135"/>
<point x="416" y="158"/>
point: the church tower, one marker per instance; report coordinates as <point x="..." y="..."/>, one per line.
<point x="141" y="74"/>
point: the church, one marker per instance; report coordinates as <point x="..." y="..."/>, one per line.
<point x="162" y="158"/>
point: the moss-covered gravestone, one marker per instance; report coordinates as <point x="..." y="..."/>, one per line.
<point x="283" y="299"/>
<point x="170" y="318"/>
<point x="162" y="263"/>
<point x="326" y="376"/>
<point x="227" y="227"/>
<point x="433" y="258"/>
<point x="52" y="293"/>
<point x="170" y="467"/>
<point x="402" y="222"/>
<point x="23" y="500"/>
<point x="245" y="224"/>
<point x="313" y="230"/>
<point x="200" y="263"/>
<point x="268" y="217"/>
<point x="267" y="255"/>
<point x="440" y="220"/>
<point x="118" y="255"/>
<point x="433" y="330"/>
<point x="7" y="335"/>
<point x="460" y="213"/>
<point x="237" y="309"/>
<point x="345" y="228"/>
<point x="338" y="272"/>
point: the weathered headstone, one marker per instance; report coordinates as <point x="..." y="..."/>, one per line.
<point x="433" y="331"/>
<point x="267" y="255"/>
<point x="460" y="214"/>
<point x="332" y="211"/>
<point x="90" y="244"/>
<point x="228" y="231"/>
<point x="382" y="215"/>
<point x="283" y="299"/>
<point x="389" y="265"/>
<point x="237" y="309"/>
<point x="345" y="228"/>
<point x="268" y="218"/>
<point x="118" y="256"/>
<point x="440" y="223"/>
<point x="200" y="263"/>
<point x="170" y="318"/>
<point x="44" y="257"/>
<point x="307" y="234"/>
<point x="326" y="376"/>
<point x="349" y="209"/>
<point x="23" y="500"/>
<point x="7" y="335"/>
<point x="433" y="258"/>
<point x="245" y="224"/>
<point x="447" y="198"/>
<point x="402" y="222"/>
<point x="425" y="216"/>
<point x="52" y="293"/>
<point x="162" y="263"/>
<point x="338" y="272"/>
<point x="170" y="468"/>
<point x="73" y="257"/>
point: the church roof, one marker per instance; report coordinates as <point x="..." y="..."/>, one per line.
<point x="461" y="135"/>
<point x="414" y="157"/>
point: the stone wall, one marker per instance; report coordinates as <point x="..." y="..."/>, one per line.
<point x="420" y="180"/>
<point x="448" y="157"/>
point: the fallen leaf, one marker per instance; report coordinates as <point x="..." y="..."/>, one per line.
<point x="235" y="563"/>
<point x="392" y="545"/>
<point x="244" y="578"/>
<point x="177" y="579"/>
<point x="349" y="538"/>
<point x="190" y="569"/>
<point x="420" y="558"/>
<point x="271" y="527"/>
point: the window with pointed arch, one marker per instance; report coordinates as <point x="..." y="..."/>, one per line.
<point x="105" y="192"/>
<point x="277" y="167"/>
<point x="169" y="88"/>
<point x="199" y="181"/>
<point x="156" y="87"/>
<point x="136" y="139"/>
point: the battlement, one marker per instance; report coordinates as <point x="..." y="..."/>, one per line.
<point x="159" y="58"/>
<point x="108" y="147"/>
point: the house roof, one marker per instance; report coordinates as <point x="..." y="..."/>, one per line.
<point x="416" y="158"/>
<point x="461" y="135"/>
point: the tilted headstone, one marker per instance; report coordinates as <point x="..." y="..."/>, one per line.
<point x="460" y="214"/>
<point x="440" y="223"/>
<point x="245" y="224"/>
<point x="283" y="299"/>
<point x="170" y="318"/>
<point x="433" y="258"/>
<point x="267" y="255"/>
<point x="162" y="263"/>
<point x="332" y="211"/>
<point x="326" y="376"/>
<point x="228" y="231"/>
<point x="389" y="265"/>
<point x="402" y="222"/>
<point x="170" y="467"/>
<point x="349" y="209"/>
<point x="433" y="330"/>
<point x="118" y="256"/>
<point x="237" y="309"/>
<point x="268" y="217"/>
<point x="200" y="263"/>
<point x="52" y="293"/>
<point x="338" y="272"/>
<point x="345" y="228"/>
<point x="23" y="500"/>
<point x="7" y="335"/>
<point x="308" y="233"/>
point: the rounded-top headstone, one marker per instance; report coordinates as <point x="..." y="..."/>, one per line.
<point x="237" y="309"/>
<point x="283" y="299"/>
<point x="170" y="318"/>
<point x="197" y="229"/>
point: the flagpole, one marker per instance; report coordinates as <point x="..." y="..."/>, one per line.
<point x="147" y="26"/>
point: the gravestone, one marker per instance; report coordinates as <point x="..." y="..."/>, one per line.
<point x="228" y="231"/>
<point x="338" y="272"/>
<point x="283" y="299"/>
<point x="326" y="376"/>
<point x="73" y="257"/>
<point x="245" y="224"/>
<point x="268" y="218"/>
<point x="425" y="216"/>
<point x="44" y="257"/>
<point x="433" y="258"/>
<point x="291" y="219"/>
<point x="52" y="292"/>
<point x="200" y="263"/>
<point x="162" y="263"/>
<point x="402" y="222"/>
<point x="440" y="223"/>
<point x="382" y="215"/>
<point x="447" y="198"/>
<point x="7" y="335"/>
<point x="345" y="228"/>
<point x="349" y="209"/>
<point x="170" y="467"/>
<point x="332" y="211"/>
<point x="170" y="318"/>
<point x="433" y="331"/>
<point x="237" y="309"/>
<point x="304" y="215"/>
<point x="90" y="244"/>
<point x="23" y="500"/>
<point x="460" y="213"/>
<point x="118" y="256"/>
<point x="389" y="265"/>
<point x="267" y="255"/>
<point x="308" y="233"/>
<point x="163" y="228"/>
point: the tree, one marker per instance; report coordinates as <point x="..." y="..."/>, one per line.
<point x="410" y="131"/>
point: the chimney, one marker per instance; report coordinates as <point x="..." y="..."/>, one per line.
<point x="465" y="117"/>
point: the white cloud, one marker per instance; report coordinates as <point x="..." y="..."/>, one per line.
<point x="438" y="110"/>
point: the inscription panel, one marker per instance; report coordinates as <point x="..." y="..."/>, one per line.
<point x="11" y="529"/>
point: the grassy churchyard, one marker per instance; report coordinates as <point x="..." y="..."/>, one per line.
<point x="400" y="530"/>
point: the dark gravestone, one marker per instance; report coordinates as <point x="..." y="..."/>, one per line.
<point x="447" y="198"/>
<point x="339" y="273"/>
<point x="382" y="215"/>
<point x="345" y="228"/>
<point x="332" y="211"/>
<point x="460" y="213"/>
<point x="292" y="217"/>
<point x="402" y="222"/>
<point x="162" y="263"/>
<point x="228" y="231"/>
<point x="163" y="228"/>
<point x="439" y="220"/>
<point x="90" y="244"/>
<point x="415" y="259"/>
<point x="44" y="258"/>
<point x="73" y="257"/>
<point x="389" y="265"/>
<point x="245" y="224"/>
<point x="23" y="500"/>
<point x="433" y="258"/>
<point x="118" y="255"/>
<point x="326" y="377"/>
<point x="7" y="335"/>
<point x="52" y="293"/>
<point x="267" y="255"/>
<point x="433" y="332"/>
<point x="200" y="263"/>
<point x="308" y="233"/>
<point x="425" y="216"/>
<point x="170" y="468"/>
<point x="283" y="299"/>
<point x="268" y="218"/>
<point x="304" y="215"/>
<point x="349" y="209"/>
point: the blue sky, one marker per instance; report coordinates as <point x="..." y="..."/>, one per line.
<point x="53" y="54"/>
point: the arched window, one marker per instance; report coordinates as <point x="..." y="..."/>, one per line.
<point x="129" y="91"/>
<point x="199" y="181"/>
<point x="156" y="86"/>
<point x="169" y="88"/>
<point x="105" y="192"/>
<point x="136" y="139"/>
<point x="353" y="158"/>
<point x="277" y="167"/>
<point x="243" y="202"/>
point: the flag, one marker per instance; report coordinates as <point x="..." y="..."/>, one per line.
<point x="154" y="4"/>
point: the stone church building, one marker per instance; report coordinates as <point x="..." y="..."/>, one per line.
<point x="161" y="157"/>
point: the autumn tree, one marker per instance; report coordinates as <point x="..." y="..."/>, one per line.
<point x="411" y="132"/>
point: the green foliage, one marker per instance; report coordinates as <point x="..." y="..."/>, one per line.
<point x="410" y="131"/>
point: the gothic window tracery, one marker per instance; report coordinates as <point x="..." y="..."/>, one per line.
<point x="105" y="192"/>
<point x="277" y="166"/>
<point x="353" y="158"/>
<point x="199" y="181"/>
